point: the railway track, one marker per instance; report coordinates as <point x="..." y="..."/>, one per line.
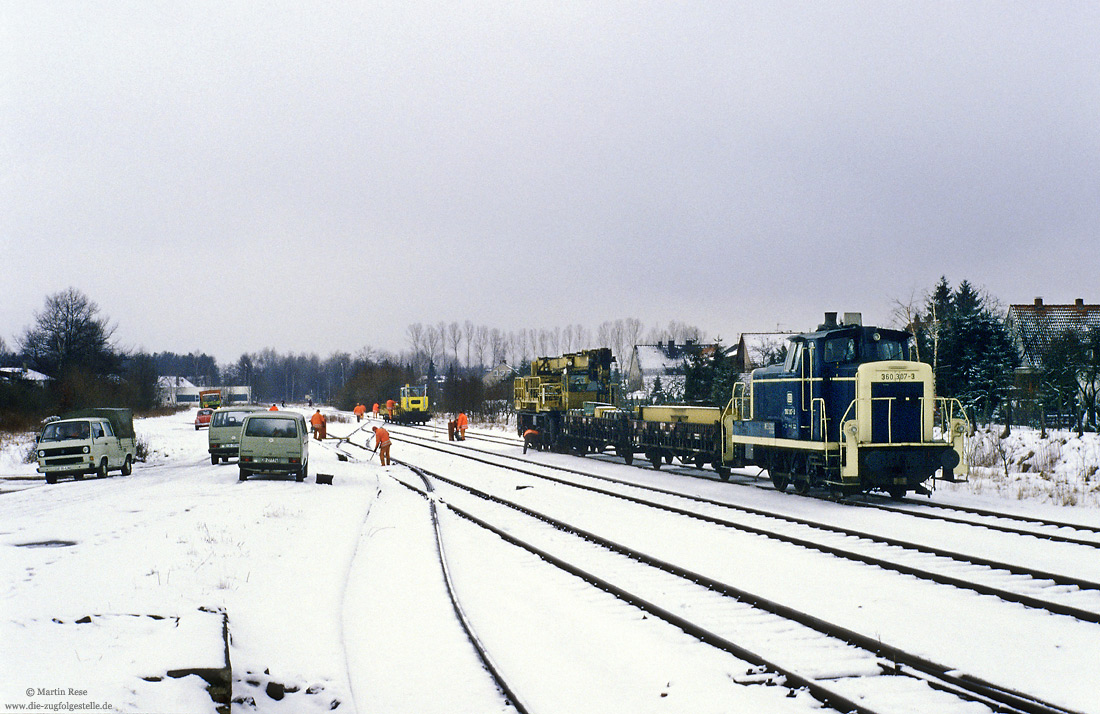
<point x="839" y="667"/>
<point x="1046" y="529"/>
<point x="1066" y="595"/>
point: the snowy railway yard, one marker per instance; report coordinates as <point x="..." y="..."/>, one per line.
<point x="472" y="578"/>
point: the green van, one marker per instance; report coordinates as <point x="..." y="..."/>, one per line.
<point x="224" y="438"/>
<point x="275" y="443"/>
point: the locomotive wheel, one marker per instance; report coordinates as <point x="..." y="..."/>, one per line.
<point x="723" y="472"/>
<point x="802" y="487"/>
<point x="779" y="480"/>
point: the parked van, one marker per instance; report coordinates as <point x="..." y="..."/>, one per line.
<point x="92" y="441"/>
<point x="274" y="442"/>
<point x="224" y="438"/>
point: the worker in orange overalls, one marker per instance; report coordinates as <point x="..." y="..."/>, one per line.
<point x="318" y="422"/>
<point x="359" y="411"/>
<point x="390" y="405"/>
<point x="382" y="444"/>
<point x="273" y="408"/>
<point x="376" y="410"/>
<point x="461" y="422"/>
<point x="531" y="438"/>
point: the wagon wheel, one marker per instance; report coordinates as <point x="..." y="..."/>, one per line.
<point x="779" y="479"/>
<point x="699" y="462"/>
<point x="802" y="486"/>
<point x="656" y="459"/>
<point x="897" y="492"/>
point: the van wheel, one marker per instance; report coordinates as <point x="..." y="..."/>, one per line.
<point x="300" y="475"/>
<point x="214" y="459"/>
<point x="50" y="478"/>
<point x="244" y="475"/>
<point x="101" y="472"/>
<point x="127" y="466"/>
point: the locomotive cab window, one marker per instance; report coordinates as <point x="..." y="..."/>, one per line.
<point x="794" y="357"/>
<point x="890" y="349"/>
<point x="840" y="350"/>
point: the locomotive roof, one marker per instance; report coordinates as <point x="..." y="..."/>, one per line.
<point x="824" y="330"/>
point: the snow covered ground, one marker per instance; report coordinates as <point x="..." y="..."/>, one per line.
<point x="334" y="597"/>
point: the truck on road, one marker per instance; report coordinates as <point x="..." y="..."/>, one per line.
<point x="90" y="441"/>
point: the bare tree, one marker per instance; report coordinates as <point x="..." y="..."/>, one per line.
<point x="434" y="339"/>
<point x="498" y="344"/>
<point x="415" y="335"/>
<point x="582" y="338"/>
<point x="521" y="345"/>
<point x="567" y="339"/>
<point x="69" y="334"/>
<point x="469" y="330"/>
<point x="907" y="316"/>
<point x="481" y="343"/>
<point x="454" y="337"/>
<point x="633" y="332"/>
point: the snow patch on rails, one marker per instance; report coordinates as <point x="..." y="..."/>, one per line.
<point x="934" y="511"/>
<point x="990" y="577"/>
<point x="838" y="667"/>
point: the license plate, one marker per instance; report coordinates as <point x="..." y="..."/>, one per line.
<point x="269" y="460"/>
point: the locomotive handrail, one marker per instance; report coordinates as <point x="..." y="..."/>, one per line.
<point x="945" y="407"/>
<point x="740" y="397"/>
<point x="819" y="403"/>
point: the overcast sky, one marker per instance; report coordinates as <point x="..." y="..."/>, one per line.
<point x="227" y="176"/>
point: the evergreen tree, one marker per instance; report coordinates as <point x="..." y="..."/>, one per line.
<point x="968" y="346"/>
<point x="709" y="379"/>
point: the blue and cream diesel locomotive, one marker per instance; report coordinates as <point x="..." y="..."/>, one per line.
<point x="849" y="410"/>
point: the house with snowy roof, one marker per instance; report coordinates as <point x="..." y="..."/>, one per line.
<point x="664" y="363"/>
<point x="1036" y="325"/>
<point x="176" y="390"/>
<point x="498" y="374"/>
<point x="22" y="374"/>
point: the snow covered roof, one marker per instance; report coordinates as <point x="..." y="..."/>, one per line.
<point x="498" y="374"/>
<point x="664" y="360"/>
<point x="760" y="346"/>
<point x="1036" y="325"/>
<point x="14" y="373"/>
<point x="165" y="382"/>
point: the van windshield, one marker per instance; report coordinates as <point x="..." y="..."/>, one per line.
<point x="63" y="431"/>
<point x="229" y="418"/>
<point x="278" y="428"/>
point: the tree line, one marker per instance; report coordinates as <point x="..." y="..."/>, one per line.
<point x="959" y="330"/>
<point x="71" y="343"/>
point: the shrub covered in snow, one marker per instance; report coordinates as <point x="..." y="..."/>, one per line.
<point x="1061" y="468"/>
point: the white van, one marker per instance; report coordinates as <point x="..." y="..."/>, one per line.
<point x="274" y="442"/>
<point x="92" y="441"/>
<point x="224" y="437"/>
